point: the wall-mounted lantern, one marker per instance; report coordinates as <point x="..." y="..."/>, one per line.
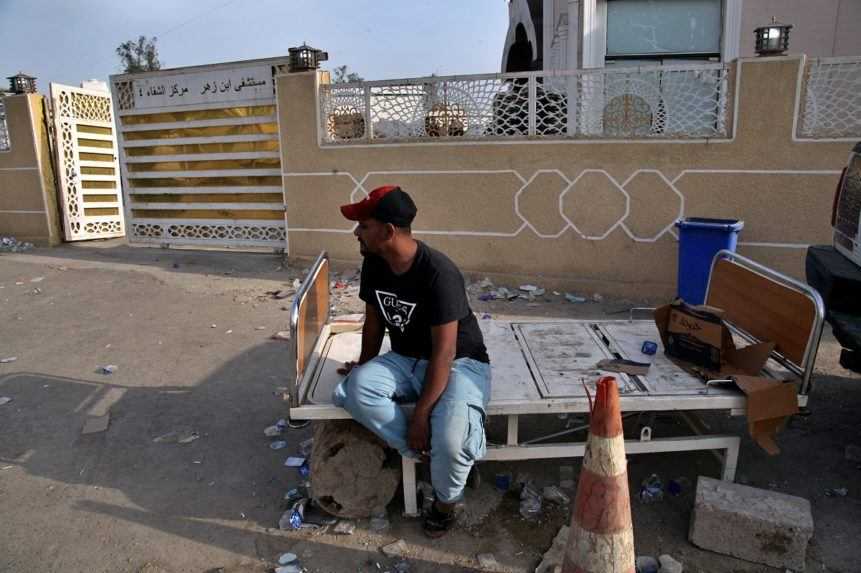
<point x="772" y="40"/>
<point x="305" y="58"/>
<point x="21" y="83"/>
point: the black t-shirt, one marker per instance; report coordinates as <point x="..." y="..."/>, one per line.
<point x="430" y="293"/>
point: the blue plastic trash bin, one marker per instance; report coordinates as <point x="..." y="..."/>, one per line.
<point x="699" y="241"/>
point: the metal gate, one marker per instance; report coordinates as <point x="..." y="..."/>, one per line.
<point x="200" y="155"/>
<point x="88" y="171"/>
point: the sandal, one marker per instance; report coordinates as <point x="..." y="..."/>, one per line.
<point x="437" y="523"/>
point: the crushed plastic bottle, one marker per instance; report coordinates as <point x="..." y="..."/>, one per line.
<point x="306" y="446"/>
<point x="651" y="489"/>
<point x="530" y="501"/>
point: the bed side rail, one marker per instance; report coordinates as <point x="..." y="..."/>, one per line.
<point x="762" y="304"/>
<point x="308" y="315"/>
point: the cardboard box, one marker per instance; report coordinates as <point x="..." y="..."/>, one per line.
<point x="697" y="339"/>
<point x="696" y="334"/>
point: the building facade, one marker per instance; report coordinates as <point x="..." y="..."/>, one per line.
<point x="572" y="34"/>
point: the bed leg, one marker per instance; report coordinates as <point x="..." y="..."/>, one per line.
<point x="730" y="459"/>
<point x="409" y="476"/>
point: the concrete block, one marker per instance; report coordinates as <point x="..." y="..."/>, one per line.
<point x="750" y="523"/>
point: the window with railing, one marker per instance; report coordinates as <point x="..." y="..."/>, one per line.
<point x="670" y="102"/>
<point x="5" y="144"/>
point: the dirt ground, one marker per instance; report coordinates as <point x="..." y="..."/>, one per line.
<point x="189" y="333"/>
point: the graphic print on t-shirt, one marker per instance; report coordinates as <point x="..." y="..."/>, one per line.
<point x="396" y="311"/>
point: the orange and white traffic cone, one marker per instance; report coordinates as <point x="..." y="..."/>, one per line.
<point x="601" y="538"/>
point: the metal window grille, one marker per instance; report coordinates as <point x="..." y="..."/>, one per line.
<point x="5" y="143"/>
<point x="670" y="102"/>
<point x="831" y="104"/>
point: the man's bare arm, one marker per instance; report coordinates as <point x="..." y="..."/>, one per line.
<point x="444" y="349"/>
<point x="372" y="334"/>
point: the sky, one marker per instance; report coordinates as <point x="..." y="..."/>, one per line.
<point x="67" y="41"/>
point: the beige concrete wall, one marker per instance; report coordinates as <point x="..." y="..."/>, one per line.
<point x="28" y="204"/>
<point x="515" y="209"/>
<point x="820" y="28"/>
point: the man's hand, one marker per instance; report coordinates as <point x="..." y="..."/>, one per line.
<point x="418" y="438"/>
<point x="347" y="368"/>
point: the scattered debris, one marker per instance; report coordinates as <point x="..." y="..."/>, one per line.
<point x="646" y="564"/>
<point x="574" y="298"/>
<point x="555" y="495"/>
<point x="530" y="501"/>
<point x="651" y="489"/>
<point x="402" y="567"/>
<point x="529" y="288"/>
<point x="276" y="429"/>
<point x="837" y="492"/>
<point x="282" y="294"/>
<point x="380" y="522"/>
<point x="345" y="528"/>
<point x="677" y="486"/>
<point x="281" y="335"/>
<point x="96" y="424"/>
<point x="177" y="437"/>
<point x="292" y="518"/>
<point x="669" y="565"/>
<point x="502" y="481"/>
<point x="108" y="369"/>
<point x="624" y="366"/>
<point x="287" y="558"/>
<point x="294" y="462"/>
<point x="566" y="477"/>
<point x="278" y="445"/>
<point x="8" y="360"/>
<point x="487" y="561"/>
<point x="4" y="400"/>
<point x="396" y="549"/>
<point x="649" y="347"/>
<point x="305" y="446"/>
<point x="11" y="245"/>
<point x="293" y="495"/>
<point x="288" y="569"/>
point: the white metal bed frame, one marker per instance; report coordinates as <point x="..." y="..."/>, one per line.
<point x="319" y="365"/>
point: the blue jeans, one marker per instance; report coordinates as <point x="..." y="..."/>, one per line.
<point x="371" y="394"/>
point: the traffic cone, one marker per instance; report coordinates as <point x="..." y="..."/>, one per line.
<point x="601" y="539"/>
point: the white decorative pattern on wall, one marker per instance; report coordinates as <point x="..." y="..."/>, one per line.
<point x="569" y="185"/>
<point x="238" y="234"/>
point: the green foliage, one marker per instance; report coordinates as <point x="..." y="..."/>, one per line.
<point x="139" y="56"/>
<point x="342" y="75"/>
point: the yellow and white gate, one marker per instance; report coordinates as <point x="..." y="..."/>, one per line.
<point x="88" y="172"/>
<point x="200" y="156"/>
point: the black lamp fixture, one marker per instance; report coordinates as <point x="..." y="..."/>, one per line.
<point x="21" y="83"/>
<point x="305" y="58"/>
<point x="772" y="40"/>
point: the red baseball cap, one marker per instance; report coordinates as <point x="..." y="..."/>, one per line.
<point x="389" y="204"/>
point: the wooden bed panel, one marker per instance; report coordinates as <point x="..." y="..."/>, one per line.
<point x="764" y="308"/>
<point x="313" y="311"/>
